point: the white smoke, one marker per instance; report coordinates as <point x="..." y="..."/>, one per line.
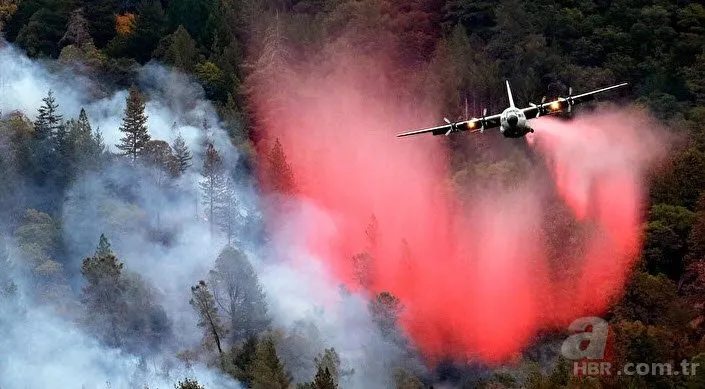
<point x="48" y="349"/>
<point x="43" y="348"/>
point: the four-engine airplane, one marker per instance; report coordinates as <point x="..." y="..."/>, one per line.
<point x="513" y="122"/>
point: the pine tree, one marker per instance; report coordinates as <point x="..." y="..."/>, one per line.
<point x="119" y="307"/>
<point x="149" y="26"/>
<point x="238" y="292"/>
<point x="181" y="154"/>
<point x="226" y="211"/>
<point x="203" y="302"/>
<point x="323" y="379"/>
<point x="188" y="384"/>
<point x="281" y="176"/>
<point x="385" y="310"/>
<point x="267" y="370"/>
<point x="99" y="141"/>
<point x="329" y="372"/>
<point x="48" y="120"/>
<point x="103" y="249"/>
<point x="77" y="32"/>
<point x="103" y="294"/>
<point x="83" y="149"/>
<point x="242" y="360"/>
<point x="134" y="125"/>
<point x="212" y="183"/>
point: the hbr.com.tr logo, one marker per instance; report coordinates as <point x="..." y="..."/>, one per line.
<point x="590" y="348"/>
<point x="586" y="346"/>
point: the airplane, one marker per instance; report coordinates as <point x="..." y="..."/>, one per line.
<point x="513" y="122"/>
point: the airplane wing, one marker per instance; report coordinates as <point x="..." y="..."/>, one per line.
<point x="467" y="125"/>
<point x="555" y="106"/>
<point x="581" y="98"/>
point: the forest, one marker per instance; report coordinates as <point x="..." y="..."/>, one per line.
<point x="136" y="173"/>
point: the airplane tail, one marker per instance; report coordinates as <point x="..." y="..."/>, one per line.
<point x="509" y="93"/>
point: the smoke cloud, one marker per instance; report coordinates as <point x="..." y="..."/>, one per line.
<point x="478" y="273"/>
<point x="45" y="343"/>
<point x="160" y="235"/>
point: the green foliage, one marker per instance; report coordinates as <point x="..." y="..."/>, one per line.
<point x="212" y="183"/>
<point x="697" y="380"/>
<point x="38" y="237"/>
<point x="48" y="120"/>
<point x="149" y="27"/>
<point x="683" y="181"/>
<point x="242" y="359"/>
<point x="203" y="302"/>
<point x="404" y="379"/>
<point x="281" y="176"/>
<point x="653" y="300"/>
<point x="470" y="46"/>
<point x="267" y="370"/>
<point x="212" y="79"/>
<point x="667" y="234"/>
<point x="239" y="293"/>
<point x="134" y="126"/>
<point x="42" y="32"/>
<point x="118" y="305"/>
<point x="82" y="149"/>
<point x="324" y="379"/>
<point x="188" y="384"/>
<point x="77" y="32"/>
<point x="385" y="310"/>
<point x="182" y="155"/>
<point x="178" y="49"/>
<point x="193" y="16"/>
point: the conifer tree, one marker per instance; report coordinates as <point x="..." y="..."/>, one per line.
<point x="103" y="295"/>
<point x="149" y="26"/>
<point x="212" y="183"/>
<point x="280" y="173"/>
<point x="103" y="249"/>
<point x="82" y="148"/>
<point x="181" y="154"/>
<point x="48" y="119"/>
<point x="118" y="305"/>
<point x="188" y="384"/>
<point x="226" y="212"/>
<point x="242" y="360"/>
<point x="329" y="361"/>
<point x="267" y="370"/>
<point x="385" y="310"/>
<point x="323" y="379"/>
<point x="203" y="302"/>
<point x="238" y="292"/>
<point x="77" y="32"/>
<point x="98" y="139"/>
<point x="134" y="126"/>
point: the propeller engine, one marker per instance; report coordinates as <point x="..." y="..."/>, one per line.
<point x="540" y="107"/>
<point x="483" y="122"/>
<point x="569" y="100"/>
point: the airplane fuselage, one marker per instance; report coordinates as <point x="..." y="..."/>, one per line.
<point x="513" y="123"/>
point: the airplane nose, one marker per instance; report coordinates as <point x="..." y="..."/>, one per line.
<point x="512" y="120"/>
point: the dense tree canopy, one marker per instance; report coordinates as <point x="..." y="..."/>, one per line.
<point x="464" y="47"/>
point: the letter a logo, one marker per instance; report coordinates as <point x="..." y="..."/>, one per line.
<point x="583" y="343"/>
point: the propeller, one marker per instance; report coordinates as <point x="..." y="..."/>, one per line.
<point x="452" y="126"/>
<point x="540" y="106"/>
<point x="569" y="100"/>
<point x="482" y="122"/>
